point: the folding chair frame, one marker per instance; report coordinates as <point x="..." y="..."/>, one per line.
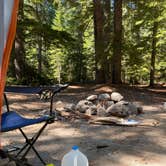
<point x="29" y="142"/>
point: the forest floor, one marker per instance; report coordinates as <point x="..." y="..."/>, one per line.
<point x="104" y="145"/>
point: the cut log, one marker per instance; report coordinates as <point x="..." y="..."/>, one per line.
<point x="106" y="120"/>
<point x="75" y="114"/>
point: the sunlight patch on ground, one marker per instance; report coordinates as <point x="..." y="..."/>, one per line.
<point x="75" y="87"/>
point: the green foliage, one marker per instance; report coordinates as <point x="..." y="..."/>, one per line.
<point x="59" y="41"/>
<point x="138" y="24"/>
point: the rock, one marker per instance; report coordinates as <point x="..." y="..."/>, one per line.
<point x="122" y="109"/>
<point x="83" y="105"/>
<point x="108" y="104"/>
<point x="115" y="96"/>
<point x="123" y="102"/>
<point x="139" y="108"/>
<point x="69" y="107"/>
<point x="101" y="111"/>
<point x="93" y="110"/>
<point x="59" y="105"/>
<point x="92" y="97"/>
<point x="89" y="112"/>
<point x="132" y="109"/>
<point x="104" y="96"/>
<point x="116" y="110"/>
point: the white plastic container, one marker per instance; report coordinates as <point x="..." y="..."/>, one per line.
<point x="74" y="158"/>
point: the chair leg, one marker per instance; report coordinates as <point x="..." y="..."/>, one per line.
<point x="30" y="144"/>
<point x="21" y="150"/>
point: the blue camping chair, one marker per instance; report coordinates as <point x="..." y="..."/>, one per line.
<point x="11" y="120"/>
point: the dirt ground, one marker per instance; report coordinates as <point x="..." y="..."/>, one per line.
<point x="104" y="145"/>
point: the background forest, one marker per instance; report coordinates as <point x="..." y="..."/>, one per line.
<point x="84" y="41"/>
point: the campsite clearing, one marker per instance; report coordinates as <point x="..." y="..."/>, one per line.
<point x="104" y="145"/>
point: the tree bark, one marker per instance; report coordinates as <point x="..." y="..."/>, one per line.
<point x="39" y="55"/>
<point x="153" y="54"/>
<point x="107" y="39"/>
<point x="80" y="64"/>
<point x="98" y="33"/>
<point x="19" y="50"/>
<point x="117" y="43"/>
<point x="102" y="38"/>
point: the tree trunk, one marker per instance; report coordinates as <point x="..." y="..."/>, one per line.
<point x="80" y="57"/>
<point x="117" y="43"/>
<point x="19" y="51"/>
<point x="107" y="39"/>
<point x="98" y="33"/>
<point x="153" y="55"/>
<point x="102" y="38"/>
<point x="39" y="55"/>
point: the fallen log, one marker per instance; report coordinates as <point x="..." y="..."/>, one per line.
<point x="111" y="120"/>
<point x="123" y="122"/>
<point x="74" y="114"/>
<point x="106" y="120"/>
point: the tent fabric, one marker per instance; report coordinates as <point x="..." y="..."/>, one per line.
<point x="5" y="16"/>
<point x="1" y="29"/>
<point x="8" y="21"/>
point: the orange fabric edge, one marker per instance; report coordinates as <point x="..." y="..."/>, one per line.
<point x="7" y="51"/>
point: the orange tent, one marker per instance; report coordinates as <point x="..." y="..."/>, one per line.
<point x="8" y="20"/>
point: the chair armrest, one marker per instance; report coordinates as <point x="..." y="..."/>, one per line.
<point x="6" y="102"/>
<point x="58" y="89"/>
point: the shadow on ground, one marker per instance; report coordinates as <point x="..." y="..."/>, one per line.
<point x="104" y="145"/>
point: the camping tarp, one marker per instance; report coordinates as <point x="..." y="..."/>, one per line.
<point x="8" y="19"/>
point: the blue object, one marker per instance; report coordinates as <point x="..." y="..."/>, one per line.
<point x="75" y="147"/>
<point x="11" y="121"/>
<point x="131" y="120"/>
<point x="23" y="89"/>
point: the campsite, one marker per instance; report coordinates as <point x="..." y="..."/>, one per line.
<point x="82" y="82"/>
<point x="103" y="144"/>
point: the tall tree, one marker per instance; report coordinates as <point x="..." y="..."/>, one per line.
<point x="156" y="21"/>
<point x="77" y="23"/>
<point x="102" y="38"/>
<point x="153" y="54"/>
<point x="117" y="43"/>
<point x="61" y="40"/>
<point x="19" y="50"/>
<point x="107" y="39"/>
